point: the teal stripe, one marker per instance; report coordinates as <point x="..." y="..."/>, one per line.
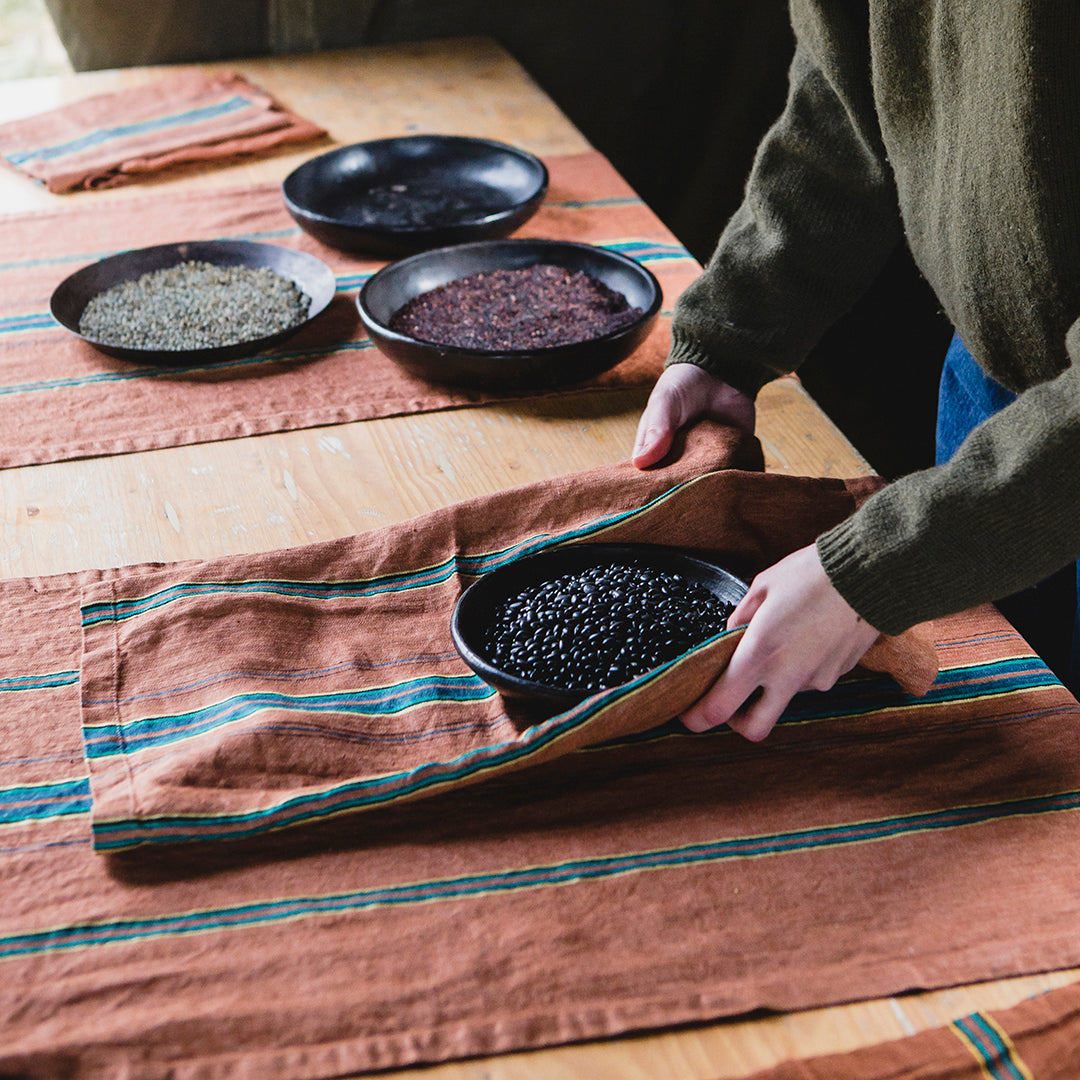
<point x="462" y="888"/>
<point x="38" y="682"/>
<point x="995" y="1056"/>
<point x="583" y="204"/>
<point x="353" y="281"/>
<point x="39" y="320"/>
<point x="159" y="372"/>
<point x="103" y="741"/>
<point x="123" y="131"/>
<point x="647" y="250"/>
<point x="37" y="802"/>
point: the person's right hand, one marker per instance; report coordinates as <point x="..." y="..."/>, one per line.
<point x="682" y="394"/>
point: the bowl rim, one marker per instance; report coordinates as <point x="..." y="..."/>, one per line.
<point x="401" y="265"/>
<point x="199" y="251"/>
<point x="474" y="594"/>
<point x="490" y="217"/>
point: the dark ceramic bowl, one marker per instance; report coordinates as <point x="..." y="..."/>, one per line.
<point x="403" y="195"/>
<point x="387" y="291"/>
<point x="476" y="606"/>
<point x="310" y="275"/>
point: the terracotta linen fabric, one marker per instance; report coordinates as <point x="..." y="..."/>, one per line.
<point x="60" y="398"/>
<point x="242" y="696"/>
<point x="875" y="842"/>
<point x="115" y="138"/>
<point x="1038" y="1039"/>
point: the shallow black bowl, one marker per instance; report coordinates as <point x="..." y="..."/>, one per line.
<point x="395" y="285"/>
<point x="403" y="195"/>
<point x="475" y="607"/>
<point x="309" y="274"/>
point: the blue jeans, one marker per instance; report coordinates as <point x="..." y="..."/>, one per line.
<point x="1046" y="614"/>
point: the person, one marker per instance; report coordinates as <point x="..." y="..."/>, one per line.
<point x="952" y="127"/>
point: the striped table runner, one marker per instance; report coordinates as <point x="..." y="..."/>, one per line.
<point x="875" y="842"/>
<point x="183" y="117"/>
<point x="60" y="398"/>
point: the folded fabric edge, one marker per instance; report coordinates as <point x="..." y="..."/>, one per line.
<point x="640" y="705"/>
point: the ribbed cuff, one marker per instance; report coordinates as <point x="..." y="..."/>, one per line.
<point x="746" y="377"/>
<point x="874" y="597"/>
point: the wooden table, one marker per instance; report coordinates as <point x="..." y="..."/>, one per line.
<point x="295" y="487"/>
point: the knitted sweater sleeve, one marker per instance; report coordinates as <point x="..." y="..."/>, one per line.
<point x="999" y="516"/>
<point x="818" y="219"/>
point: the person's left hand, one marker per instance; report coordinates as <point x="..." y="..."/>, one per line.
<point x="801" y="634"/>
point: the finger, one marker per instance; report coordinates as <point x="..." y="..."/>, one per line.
<point x="746" y="608"/>
<point x="651" y="447"/>
<point x="758" y="717"/>
<point x="655" y="432"/>
<point x="723" y="699"/>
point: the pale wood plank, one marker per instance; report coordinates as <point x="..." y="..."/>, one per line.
<point x="291" y="488"/>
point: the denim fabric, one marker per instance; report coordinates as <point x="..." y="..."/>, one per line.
<point x="966" y="397"/>
<point x="1046" y="614"/>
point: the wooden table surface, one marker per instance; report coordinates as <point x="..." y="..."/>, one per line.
<point x="279" y="490"/>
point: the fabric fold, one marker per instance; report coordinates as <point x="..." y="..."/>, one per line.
<point x="115" y="138"/>
<point x="232" y="697"/>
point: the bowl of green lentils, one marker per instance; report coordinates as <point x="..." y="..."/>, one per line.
<point x="193" y="302"/>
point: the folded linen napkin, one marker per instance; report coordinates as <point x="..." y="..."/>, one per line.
<point x="112" y="139"/>
<point x="231" y="697"/>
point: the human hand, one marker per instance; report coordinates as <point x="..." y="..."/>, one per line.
<point x="801" y="634"/>
<point x="682" y="394"/>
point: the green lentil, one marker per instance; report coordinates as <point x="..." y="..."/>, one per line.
<point x="194" y="305"/>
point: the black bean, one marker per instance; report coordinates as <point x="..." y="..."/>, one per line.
<point x="602" y="626"/>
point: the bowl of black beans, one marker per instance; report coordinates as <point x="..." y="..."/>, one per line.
<point x="406" y="194"/>
<point x="510" y="314"/>
<point x="193" y="302"/>
<point x="555" y="627"/>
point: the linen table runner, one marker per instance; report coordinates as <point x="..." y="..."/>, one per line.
<point x="875" y="842"/>
<point x="113" y="139"/>
<point x="1038" y="1039"/>
<point x="60" y="398"/>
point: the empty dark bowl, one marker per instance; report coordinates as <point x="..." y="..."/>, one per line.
<point x="387" y="291"/>
<point x="478" y="604"/>
<point x="310" y="275"/>
<point x="403" y="195"/>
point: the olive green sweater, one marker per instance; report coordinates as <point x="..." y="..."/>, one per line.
<point x="953" y="125"/>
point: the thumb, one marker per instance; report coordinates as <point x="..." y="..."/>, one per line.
<point x="652" y="443"/>
<point x="656" y="428"/>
